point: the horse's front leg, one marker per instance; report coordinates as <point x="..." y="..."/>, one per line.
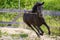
<point x="47" y="28"/>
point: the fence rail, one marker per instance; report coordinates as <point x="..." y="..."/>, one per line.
<point x="45" y="12"/>
<point x="11" y="22"/>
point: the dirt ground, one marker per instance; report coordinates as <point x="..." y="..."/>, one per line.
<point x="31" y="34"/>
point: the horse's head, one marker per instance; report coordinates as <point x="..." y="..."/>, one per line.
<point x="38" y="8"/>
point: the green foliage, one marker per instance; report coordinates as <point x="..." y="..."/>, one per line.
<point x="27" y="3"/>
<point x="52" y="4"/>
<point x="7" y="16"/>
<point x="49" y="4"/>
<point x="8" y="3"/>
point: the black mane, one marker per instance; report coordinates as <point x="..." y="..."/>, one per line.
<point x="34" y="9"/>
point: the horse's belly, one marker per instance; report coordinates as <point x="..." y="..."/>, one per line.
<point x="38" y="22"/>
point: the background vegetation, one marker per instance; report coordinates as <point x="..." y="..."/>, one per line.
<point x="28" y="4"/>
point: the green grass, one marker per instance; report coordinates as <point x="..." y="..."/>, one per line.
<point x="8" y="17"/>
<point x="0" y="33"/>
<point x="54" y="31"/>
<point x="3" y="33"/>
<point x="24" y="35"/>
<point x="54" y="25"/>
<point x="19" y="35"/>
<point x="53" y="21"/>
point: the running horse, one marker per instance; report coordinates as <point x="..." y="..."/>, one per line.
<point x="34" y="19"/>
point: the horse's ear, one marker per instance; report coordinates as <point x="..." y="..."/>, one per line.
<point x="42" y="3"/>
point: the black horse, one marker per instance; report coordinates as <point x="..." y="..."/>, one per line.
<point x="34" y="19"/>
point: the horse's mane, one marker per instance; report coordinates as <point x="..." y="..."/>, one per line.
<point x="34" y="9"/>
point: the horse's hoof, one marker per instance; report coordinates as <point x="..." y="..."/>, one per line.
<point x="41" y="34"/>
<point x="38" y="36"/>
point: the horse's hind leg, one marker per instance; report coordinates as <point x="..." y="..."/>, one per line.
<point x="33" y="29"/>
<point x="41" y="30"/>
<point x="47" y="28"/>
